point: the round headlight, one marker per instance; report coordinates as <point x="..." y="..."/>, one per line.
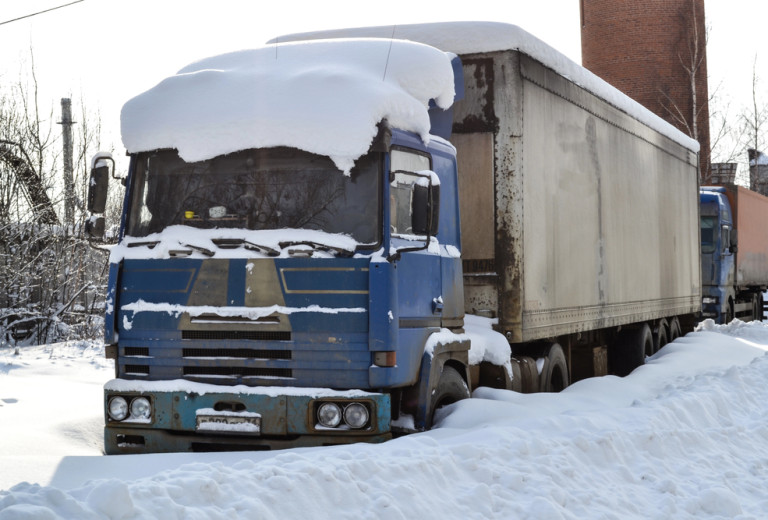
<point x="140" y="408"/>
<point x="118" y="408"/>
<point x="329" y="415"/>
<point x="356" y="415"/>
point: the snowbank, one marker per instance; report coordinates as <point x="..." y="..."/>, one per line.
<point x="322" y="97"/>
<point x="683" y="437"/>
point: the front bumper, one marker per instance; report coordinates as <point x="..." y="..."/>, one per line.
<point x="196" y="417"/>
<point x="711" y="306"/>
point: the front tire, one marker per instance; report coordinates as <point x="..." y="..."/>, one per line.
<point x="729" y="312"/>
<point x="450" y="388"/>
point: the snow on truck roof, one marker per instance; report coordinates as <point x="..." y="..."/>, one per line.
<point x="480" y="37"/>
<point x="324" y="97"/>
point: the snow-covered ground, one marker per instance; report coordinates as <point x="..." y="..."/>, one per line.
<point x="685" y="436"/>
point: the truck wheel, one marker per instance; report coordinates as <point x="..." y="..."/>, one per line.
<point x="450" y="388"/>
<point x="529" y="375"/>
<point x="554" y="375"/>
<point x="629" y="350"/>
<point x="729" y="311"/>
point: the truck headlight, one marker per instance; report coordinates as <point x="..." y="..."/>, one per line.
<point x="356" y="415"/>
<point x="117" y="408"/>
<point x="329" y="415"/>
<point x="140" y="408"/>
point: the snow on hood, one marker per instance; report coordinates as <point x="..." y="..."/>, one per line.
<point x="480" y="37"/>
<point x="324" y="97"/>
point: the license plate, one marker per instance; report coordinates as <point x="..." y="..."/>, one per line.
<point x="229" y="424"/>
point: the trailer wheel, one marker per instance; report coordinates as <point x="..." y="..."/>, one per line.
<point x="450" y="388"/>
<point x="554" y="375"/>
<point x="675" y="331"/>
<point x="757" y="304"/>
<point x="628" y="352"/>
<point x="660" y="336"/>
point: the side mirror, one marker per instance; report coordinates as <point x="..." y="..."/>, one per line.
<point x="734" y="247"/>
<point x="97" y="189"/>
<point x="426" y="209"/>
<point x="98" y="186"/>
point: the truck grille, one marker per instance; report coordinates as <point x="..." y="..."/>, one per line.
<point x="235" y="372"/>
<point x="256" y="335"/>
<point x="137" y="370"/>
<point x="240" y="353"/>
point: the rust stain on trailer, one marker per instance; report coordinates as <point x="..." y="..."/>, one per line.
<point x="475" y="113"/>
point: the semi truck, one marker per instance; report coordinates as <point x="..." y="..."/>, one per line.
<point x="328" y="240"/>
<point x="734" y="253"/>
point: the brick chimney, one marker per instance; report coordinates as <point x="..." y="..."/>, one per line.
<point x="655" y="52"/>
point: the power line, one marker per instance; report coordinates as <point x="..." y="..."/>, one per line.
<point x="41" y="12"/>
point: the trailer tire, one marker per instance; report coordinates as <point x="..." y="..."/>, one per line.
<point x="660" y="335"/>
<point x="675" y="331"/>
<point x="450" y="388"/>
<point x="757" y="304"/>
<point x="628" y="351"/>
<point x="554" y="375"/>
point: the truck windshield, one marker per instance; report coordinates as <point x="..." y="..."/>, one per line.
<point x="708" y="234"/>
<point x="274" y="188"/>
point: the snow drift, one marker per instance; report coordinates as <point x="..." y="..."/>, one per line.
<point x="684" y="437"/>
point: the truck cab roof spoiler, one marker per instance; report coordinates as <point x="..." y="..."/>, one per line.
<point x="441" y="121"/>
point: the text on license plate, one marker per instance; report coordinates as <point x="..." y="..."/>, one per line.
<point x="229" y="424"/>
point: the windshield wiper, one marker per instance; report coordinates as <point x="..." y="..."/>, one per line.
<point x="199" y="249"/>
<point x="317" y="245"/>
<point x="149" y="243"/>
<point x="231" y="243"/>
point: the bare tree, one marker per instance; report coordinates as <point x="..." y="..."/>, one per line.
<point x="725" y="137"/>
<point x="52" y="281"/>
<point x="685" y="107"/>
<point x="755" y="117"/>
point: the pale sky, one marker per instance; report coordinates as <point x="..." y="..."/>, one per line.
<point x="111" y="50"/>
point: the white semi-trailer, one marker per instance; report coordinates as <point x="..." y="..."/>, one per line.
<point x="579" y="207"/>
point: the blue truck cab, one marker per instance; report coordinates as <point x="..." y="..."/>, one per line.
<point x="718" y="260"/>
<point x="263" y="299"/>
<point x="734" y="252"/>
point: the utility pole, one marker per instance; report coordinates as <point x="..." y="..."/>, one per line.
<point x="69" y="185"/>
